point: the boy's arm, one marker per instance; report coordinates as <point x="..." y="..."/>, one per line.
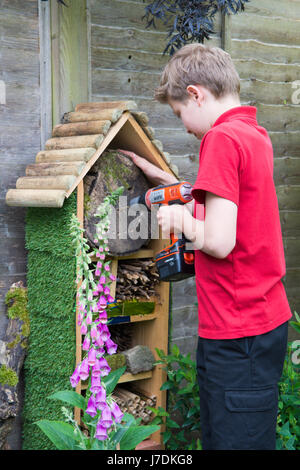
<point x="216" y="236"/>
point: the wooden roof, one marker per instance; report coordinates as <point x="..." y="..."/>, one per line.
<point x="75" y="146"/>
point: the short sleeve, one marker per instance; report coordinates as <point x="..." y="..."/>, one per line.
<point x="219" y="168"/>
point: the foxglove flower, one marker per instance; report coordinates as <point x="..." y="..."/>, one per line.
<point x="94" y="331"/>
<point x="91" y="407"/>
<point x="89" y="318"/>
<point x="86" y="343"/>
<point x="100" y="399"/>
<point x="111" y="347"/>
<point x="112" y="277"/>
<point x="83" y="329"/>
<point x="95" y="384"/>
<point x="84" y="369"/>
<point x="101" y="432"/>
<point x="106" y="290"/>
<point x="102" y="302"/>
<point x="75" y="377"/>
<point x="104" y="332"/>
<point x="106" y="418"/>
<point x="116" y="412"/>
<point x="104" y="367"/>
<point x="92" y="357"/>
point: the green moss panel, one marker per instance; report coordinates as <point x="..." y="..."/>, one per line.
<point x="51" y="274"/>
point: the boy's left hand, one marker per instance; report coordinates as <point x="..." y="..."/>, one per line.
<point x="172" y="219"/>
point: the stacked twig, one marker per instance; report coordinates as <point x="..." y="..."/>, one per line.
<point x="135" y="404"/>
<point x="136" y="279"/>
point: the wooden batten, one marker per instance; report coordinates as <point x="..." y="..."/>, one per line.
<point x="55" y="168"/>
<point x="77" y="141"/>
<point x="45" y="182"/>
<point x="81" y="128"/>
<point x="65" y="155"/>
<point x="123" y="105"/>
<point x="95" y="115"/>
<point x="35" y="197"/>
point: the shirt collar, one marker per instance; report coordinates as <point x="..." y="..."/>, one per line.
<point x="247" y="113"/>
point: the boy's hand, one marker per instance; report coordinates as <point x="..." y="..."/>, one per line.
<point x="152" y="172"/>
<point x="173" y="219"/>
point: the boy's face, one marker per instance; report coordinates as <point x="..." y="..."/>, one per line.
<point x="191" y="115"/>
<point x="196" y="111"/>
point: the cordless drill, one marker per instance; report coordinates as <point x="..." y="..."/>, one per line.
<point x="175" y="262"/>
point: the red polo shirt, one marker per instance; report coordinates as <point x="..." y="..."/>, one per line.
<point x="241" y="295"/>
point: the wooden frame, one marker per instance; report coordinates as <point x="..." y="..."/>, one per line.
<point x="127" y="134"/>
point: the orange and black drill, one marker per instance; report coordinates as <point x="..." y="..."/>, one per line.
<point x="175" y="262"/>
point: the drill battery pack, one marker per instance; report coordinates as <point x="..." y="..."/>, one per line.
<point x="175" y="263"/>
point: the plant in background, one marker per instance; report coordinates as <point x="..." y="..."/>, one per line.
<point x="288" y="428"/>
<point x="102" y="415"/>
<point x="191" y="20"/>
<point x="183" y="400"/>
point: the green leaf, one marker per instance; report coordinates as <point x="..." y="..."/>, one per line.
<point x="112" y="379"/>
<point x="60" y="433"/>
<point x="70" y="397"/>
<point x="171" y="424"/>
<point x="135" y="435"/>
<point x="166" y="436"/>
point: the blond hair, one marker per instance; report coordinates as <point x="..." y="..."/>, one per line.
<point x="196" y="64"/>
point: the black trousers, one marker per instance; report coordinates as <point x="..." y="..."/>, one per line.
<point x="238" y="383"/>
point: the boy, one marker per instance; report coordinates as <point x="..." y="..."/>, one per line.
<point x="239" y="258"/>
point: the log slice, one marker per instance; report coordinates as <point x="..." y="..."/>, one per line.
<point x="129" y="229"/>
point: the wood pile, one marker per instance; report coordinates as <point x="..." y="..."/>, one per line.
<point x="134" y="403"/>
<point x="136" y="279"/>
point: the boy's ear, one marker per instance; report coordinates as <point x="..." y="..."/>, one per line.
<point x="196" y="93"/>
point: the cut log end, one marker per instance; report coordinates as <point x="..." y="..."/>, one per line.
<point x="35" y="197"/>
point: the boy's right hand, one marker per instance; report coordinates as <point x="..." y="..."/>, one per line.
<point x="154" y="174"/>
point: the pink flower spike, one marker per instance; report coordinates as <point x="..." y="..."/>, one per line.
<point x="91" y="407"/>
<point x="92" y="357"/>
<point x="116" y="412"/>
